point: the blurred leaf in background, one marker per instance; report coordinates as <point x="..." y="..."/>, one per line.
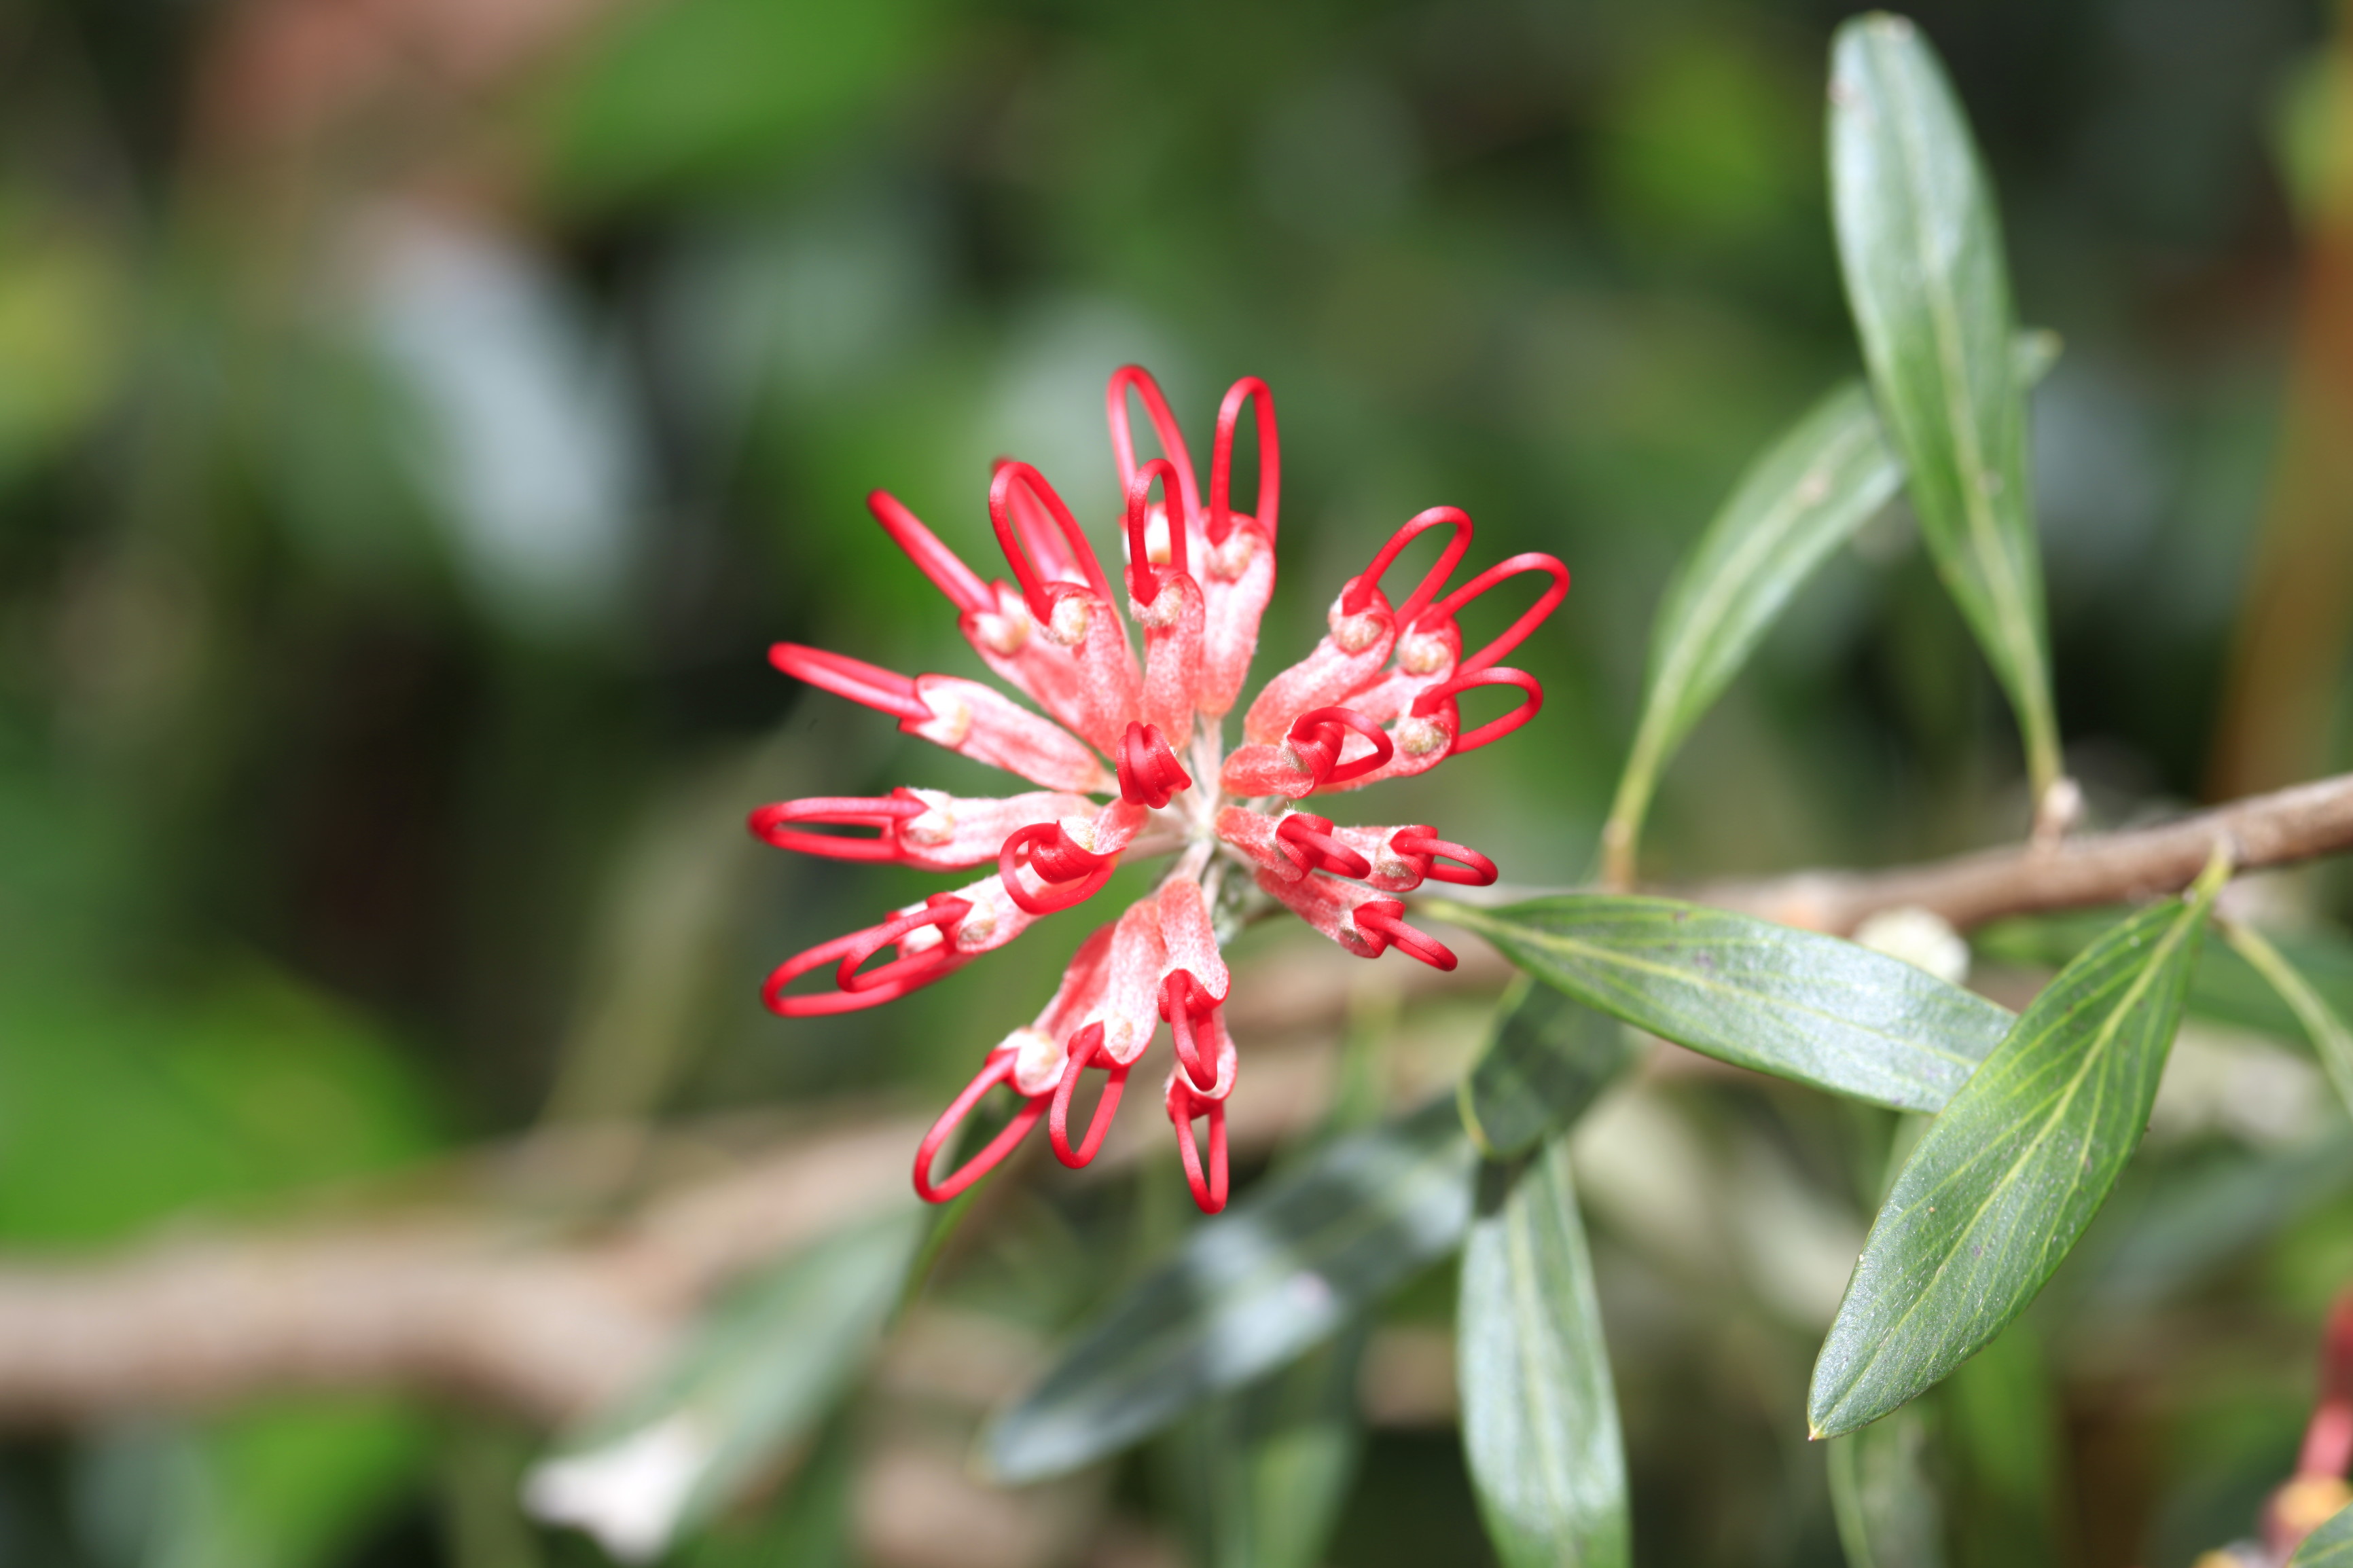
<point x="678" y="99"/>
<point x="273" y="1488"/>
<point x="65" y="333"/>
<point x="247" y="1087"/>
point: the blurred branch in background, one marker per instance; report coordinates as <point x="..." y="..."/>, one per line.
<point x="474" y="1306"/>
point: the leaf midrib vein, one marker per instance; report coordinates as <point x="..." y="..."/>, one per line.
<point x="1771" y="529"/>
<point x="1519" y="1249"/>
<point x="1617" y="959"/>
<point x="2092" y="1052"/>
<point x="2006" y="593"/>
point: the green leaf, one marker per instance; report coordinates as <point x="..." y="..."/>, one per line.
<point x="1539" y="1416"/>
<point x="1998" y="1441"/>
<point x="286" y="1484"/>
<point x="2330" y="1038"/>
<point x="1791" y="1003"/>
<point x="754" y="1379"/>
<point x="1548" y="1058"/>
<point x="2226" y="987"/>
<point x="2331" y="1546"/>
<point x="1921" y="249"/>
<point x="1889" y="1515"/>
<point x="1262" y="1475"/>
<point x="1796" y="504"/>
<point x="123" y="1104"/>
<point x="807" y="1523"/>
<point x="2003" y="1182"/>
<point x="1248" y="1291"/>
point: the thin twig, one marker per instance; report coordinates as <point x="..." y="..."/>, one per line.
<point x="2277" y="829"/>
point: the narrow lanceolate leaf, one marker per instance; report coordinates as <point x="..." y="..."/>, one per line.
<point x="1262" y="1475"/>
<point x="1539" y="1417"/>
<point x="1791" y="1003"/>
<point x="1921" y="249"/>
<point x="1548" y="1059"/>
<point x="1248" y="1291"/>
<point x="1798" y="502"/>
<point x="2330" y="1037"/>
<point x="2005" y="1180"/>
<point x="753" y="1380"/>
<point x="2331" y="1546"/>
<point x="1889" y="1515"/>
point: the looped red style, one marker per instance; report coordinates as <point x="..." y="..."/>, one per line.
<point x="1086" y="1050"/>
<point x="947" y="572"/>
<point x="1358" y="593"/>
<point x="1493" y="730"/>
<point x="942" y="910"/>
<point x="1312" y="848"/>
<point x="860" y="681"/>
<point x="1517" y="632"/>
<point x="1034" y="586"/>
<point x="877" y="985"/>
<point x="1163" y="425"/>
<point x="1149" y="772"/>
<point x="998" y="1069"/>
<point x="1041" y="537"/>
<point x="1472" y="869"/>
<point x="1385" y="918"/>
<point x="1220" y="520"/>
<point x="1317" y="736"/>
<point x="1185" y="1108"/>
<point x="882" y="812"/>
<point x="1072" y="874"/>
<point x="1143" y="581"/>
<point x="1184" y="999"/>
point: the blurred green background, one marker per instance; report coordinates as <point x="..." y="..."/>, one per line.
<point x="417" y="416"/>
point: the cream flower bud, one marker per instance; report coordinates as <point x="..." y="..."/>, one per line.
<point x="1921" y="938"/>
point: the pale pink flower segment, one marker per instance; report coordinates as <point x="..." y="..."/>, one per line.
<point x="1132" y="765"/>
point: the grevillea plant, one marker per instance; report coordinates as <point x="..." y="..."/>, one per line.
<point x="1132" y="765"/>
<point x="1981" y="1144"/>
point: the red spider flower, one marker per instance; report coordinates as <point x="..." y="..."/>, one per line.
<point x="1132" y="765"/>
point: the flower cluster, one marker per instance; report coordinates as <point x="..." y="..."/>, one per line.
<point x="1378" y="699"/>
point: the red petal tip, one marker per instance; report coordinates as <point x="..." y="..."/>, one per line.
<point x="1471" y="870"/>
<point x="1384" y="918"/>
<point x="998" y="1069"/>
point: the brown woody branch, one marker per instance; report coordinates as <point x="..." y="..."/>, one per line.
<point x="487" y="1306"/>
<point x="548" y="1322"/>
<point x="2277" y="829"/>
<point x="476" y="1308"/>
